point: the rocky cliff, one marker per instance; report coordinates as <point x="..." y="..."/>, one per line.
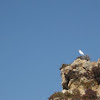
<point x="80" y="80"/>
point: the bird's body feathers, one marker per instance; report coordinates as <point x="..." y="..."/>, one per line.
<point x="81" y="52"/>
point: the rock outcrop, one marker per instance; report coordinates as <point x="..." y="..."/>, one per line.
<point x="80" y="80"/>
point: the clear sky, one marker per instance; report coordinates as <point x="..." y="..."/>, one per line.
<point x="37" y="37"/>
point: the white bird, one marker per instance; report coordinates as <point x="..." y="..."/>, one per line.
<point x="81" y="52"/>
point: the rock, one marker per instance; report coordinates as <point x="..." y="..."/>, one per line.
<point x="64" y="91"/>
<point x="82" y="76"/>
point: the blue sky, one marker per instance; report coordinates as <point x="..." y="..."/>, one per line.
<point x="37" y="37"/>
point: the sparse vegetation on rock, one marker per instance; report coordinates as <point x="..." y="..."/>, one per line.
<point x="63" y="66"/>
<point x="89" y="95"/>
<point x="96" y="73"/>
<point x="84" y="57"/>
